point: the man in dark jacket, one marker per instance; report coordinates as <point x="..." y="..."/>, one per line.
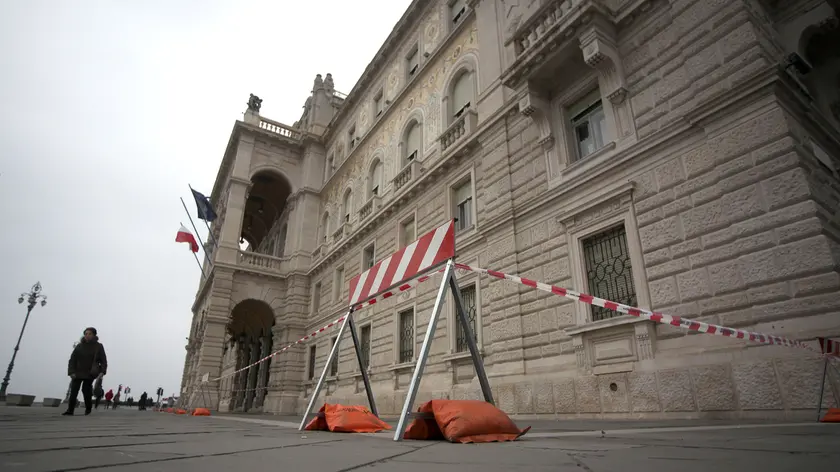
<point x="87" y="363"/>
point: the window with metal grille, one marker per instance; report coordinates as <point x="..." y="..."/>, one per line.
<point x="334" y="363"/>
<point x="406" y="335"/>
<point x="609" y="273"/>
<point x="468" y="295"/>
<point x="407" y="232"/>
<point x="365" y="346"/>
<point x="311" y="372"/>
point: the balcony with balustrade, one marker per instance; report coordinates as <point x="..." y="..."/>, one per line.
<point x="406" y="175"/>
<point x="554" y="29"/>
<point x="457" y="133"/>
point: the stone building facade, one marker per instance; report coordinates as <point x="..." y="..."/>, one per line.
<point x="677" y="155"/>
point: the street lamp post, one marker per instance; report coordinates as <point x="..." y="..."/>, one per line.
<point x="33" y="297"/>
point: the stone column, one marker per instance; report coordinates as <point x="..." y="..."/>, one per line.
<point x="238" y="187"/>
<point x="265" y="349"/>
<point x="491" y="94"/>
<point x="250" y="389"/>
<point x="209" y="354"/>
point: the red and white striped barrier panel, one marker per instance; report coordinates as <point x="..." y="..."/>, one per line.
<point x="827" y="346"/>
<point x="431" y="249"/>
<point x="677" y="321"/>
<point x="407" y="285"/>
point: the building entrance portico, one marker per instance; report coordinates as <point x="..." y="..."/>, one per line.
<point x="250" y="340"/>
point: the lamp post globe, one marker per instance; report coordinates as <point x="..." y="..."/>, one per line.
<point x="33" y="297"/>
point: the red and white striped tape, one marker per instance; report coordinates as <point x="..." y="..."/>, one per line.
<point x="407" y="285"/>
<point x="677" y="321"/>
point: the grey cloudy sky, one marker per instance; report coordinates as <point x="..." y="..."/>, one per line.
<point x="108" y="110"/>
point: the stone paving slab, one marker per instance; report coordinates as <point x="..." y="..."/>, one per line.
<point x="128" y="440"/>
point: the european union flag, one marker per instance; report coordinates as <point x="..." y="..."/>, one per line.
<point x="205" y="209"/>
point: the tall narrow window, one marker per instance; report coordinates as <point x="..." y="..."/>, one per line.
<point x="316" y="298"/>
<point x="468" y="295"/>
<point x="375" y="179"/>
<point x="338" y="283"/>
<point x="365" y="347"/>
<point x="456" y="11"/>
<point x="378" y="103"/>
<point x="609" y="273"/>
<point x="347" y="205"/>
<point x="311" y="373"/>
<point x="334" y="363"/>
<point x="369" y="256"/>
<point x="412" y="62"/>
<point x="462" y="94"/>
<point x="352" y="138"/>
<point x="325" y="228"/>
<point x="588" y="124"/>
<point x="408" y="231"/>
<point x="463" y="200"/>
<point x="329" y="167"/>
<point x="406" y="344"/>
<point x="413" y="142"/>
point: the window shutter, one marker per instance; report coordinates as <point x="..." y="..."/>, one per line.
<point x="463" y="192"/>
<point x="376" y="177"/>
<point x="414" y="140"/>
<point x="462" y="92"/>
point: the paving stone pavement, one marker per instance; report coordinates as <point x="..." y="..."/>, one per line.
<point x="38" y="439"/>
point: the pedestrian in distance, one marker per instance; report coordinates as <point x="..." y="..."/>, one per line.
<point x="88" y="362"/>
<point x="108" y="397"/>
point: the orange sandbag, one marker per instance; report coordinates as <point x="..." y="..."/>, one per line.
<point x="467" y="421"/>
<point x="832" y="416"/>
<point x="180" y="412"/>
<point x="170" y="410"/>
<point x="201" y="412"/>
<point x="346" y="419"/>
<point x="424" y="426"/>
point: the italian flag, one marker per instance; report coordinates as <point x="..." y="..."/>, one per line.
<point x="184" y="236"/>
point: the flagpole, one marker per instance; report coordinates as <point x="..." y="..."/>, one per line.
<point x="200" y="267"/>
<point x="193" y="224"/>
<point x="209" y="231"/>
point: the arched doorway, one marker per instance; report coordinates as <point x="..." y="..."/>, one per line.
<point x="250" y="328"/>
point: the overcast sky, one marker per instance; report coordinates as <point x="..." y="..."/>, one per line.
<point x="108" y="110"/>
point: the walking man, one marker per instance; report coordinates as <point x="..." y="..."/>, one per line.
<point x="87" y="363"/>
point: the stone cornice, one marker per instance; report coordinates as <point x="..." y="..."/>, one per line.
<point x="396" y="99"/>
<point x="406" y="22"/>
<point x="451" y="158"/>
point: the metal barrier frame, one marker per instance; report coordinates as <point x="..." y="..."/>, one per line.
<point x="449" y="281"/>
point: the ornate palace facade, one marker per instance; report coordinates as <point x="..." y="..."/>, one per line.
<point x="677" y="155"/>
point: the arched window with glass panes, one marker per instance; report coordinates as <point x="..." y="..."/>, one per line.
<point x="462" y="94"/>
<point x="375" y="179"/>
<point x="413" y="147"/>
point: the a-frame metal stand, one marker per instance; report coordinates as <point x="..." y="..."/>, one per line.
<point x="826" y="377"/>
<point x="348" y="321"/>
<point x="451" y="282"/>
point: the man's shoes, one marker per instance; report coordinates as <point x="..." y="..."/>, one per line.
<point x="87" y="411"/>
<point x="67" y="413"/>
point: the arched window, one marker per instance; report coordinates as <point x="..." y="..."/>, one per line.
<point x="374" y="187"/>
<point x="462" y="93"/>
<point x="325" y="227"/>
<point x="347" y="206"/>
<point x="329" y="167"/>
<point x="413" y="145"/>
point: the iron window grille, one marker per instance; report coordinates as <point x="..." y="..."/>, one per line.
<point x="468" y="295"/>
<point x="365" y="347"/>
<point x="311" y="372"/>
<point x="406" y="336"/>
<point x="609" y="272"/>
<point x="334" y="363"/>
